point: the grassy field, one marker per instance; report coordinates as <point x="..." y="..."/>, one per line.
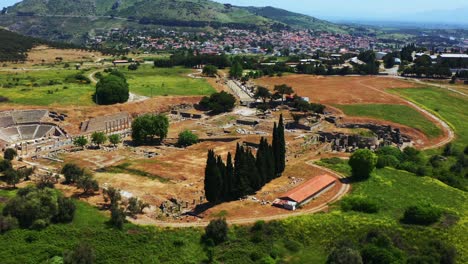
<point x="400" y="114"/>
<point x="45" y="87"/>
<point x="151" y="81"/>
<point x="395" y="190"/>
<point x="294" y="240"/>
<point x="451" y="107"/>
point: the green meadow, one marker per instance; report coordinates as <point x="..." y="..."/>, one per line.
<point x="400" y="114"/>
<point x="451" y="107"/>
<point x="45" y="87"/>
<point x="150" y="81"/>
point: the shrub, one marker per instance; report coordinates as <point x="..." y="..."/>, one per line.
<point x="387" y="161"/>
<point x="31" y="205"/>
<point x="344" y="255"/>
<point x="359" y="204"/>
<point x="422" y="215"/>
<point x="7" y="223"/>
<point x="187" y="138"/>
<point x="83" y="253"/>
<point x="72" y="173"/>
<point x="66" y="210"/>
<point x="217" y="231"/>
<point x="5" y="165"/>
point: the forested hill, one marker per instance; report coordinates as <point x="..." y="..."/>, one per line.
<point x="71" y="20"/>
<point x="14" y="47"/>
<point x="294" y="19"/>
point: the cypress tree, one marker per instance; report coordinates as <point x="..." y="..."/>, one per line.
<point x="271" y="168"/>
<point x="222" y="172"/>
<point x="281" y="147"/>
<point x="261" y="161"/>
<point x="229" y="182"/>
<point x="241" y="172"/>
<point x="251" y="173"/>
<point x="275" y="144"/>
<point x="212" y="181"/>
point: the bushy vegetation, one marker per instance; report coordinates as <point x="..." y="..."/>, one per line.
<point x="359" y="204"/>
<point x="422" y="215"/>
<point x="449" y="166"/>
<point x="37" y="208"/>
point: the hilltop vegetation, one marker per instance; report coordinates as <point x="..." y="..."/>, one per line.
<point x="59" y="19"/>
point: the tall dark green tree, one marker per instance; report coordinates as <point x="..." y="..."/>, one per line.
<point x="229" y="181"/>
<point x="261" y="161"/>
<point x="213" y="180"/>
<point x="281" y="165"/>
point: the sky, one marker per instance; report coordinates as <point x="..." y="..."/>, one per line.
<point x="357" y="9"/>
<point x="396" y="10"/>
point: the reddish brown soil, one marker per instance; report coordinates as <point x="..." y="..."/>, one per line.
<point x="339" y="90"/>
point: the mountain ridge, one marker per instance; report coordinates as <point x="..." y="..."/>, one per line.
<point x="58" y="19"/>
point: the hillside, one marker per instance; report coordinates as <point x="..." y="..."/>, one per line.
<point x="294" y="19"/>
<point x="71" y="20"/>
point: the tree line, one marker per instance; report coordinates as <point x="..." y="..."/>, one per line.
<point x="189" y="59"/>
<point x="194" y="23"/>
<point x="247" y="173"/>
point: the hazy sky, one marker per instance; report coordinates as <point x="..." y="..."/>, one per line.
<point x="356" y="9"/>
<point x="346" y="9"/>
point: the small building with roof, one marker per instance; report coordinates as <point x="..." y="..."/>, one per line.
<point x="305" y="192"/>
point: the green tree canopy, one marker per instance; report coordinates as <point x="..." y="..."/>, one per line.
<point x="146" y="127"/>
<point x="187" y="138"/>
<point x="80" y="141"/>
<point x="10" y="154"/>
<point x="283" y="90"/>
<point x="362" y="163"/>
<point x="115" y="139"/>
<point x="111" y="90"/>
<point x="217" y="231"/>
<point x="218" y="102"/>
<point x="236" y="71"/>
<point x="262" y="93"/>
<point x="98" y="138"/>
<point x="72" y="173"/>
<point x="210" y="70"/>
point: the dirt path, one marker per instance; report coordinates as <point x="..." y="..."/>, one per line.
<point x="449" y="134"/>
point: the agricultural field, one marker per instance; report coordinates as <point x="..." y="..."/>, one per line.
<point x="150" y="81"/>
<point x="46" y="87"/>
<point x="400" y="114"/>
